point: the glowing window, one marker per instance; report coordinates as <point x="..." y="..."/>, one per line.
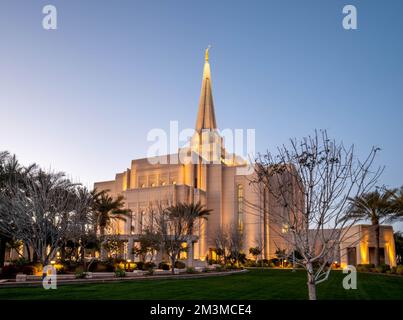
<point x="240" y="207"/>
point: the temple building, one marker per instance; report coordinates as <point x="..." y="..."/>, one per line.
<point x="211" y="175"/>
<point x="220" y="181"/>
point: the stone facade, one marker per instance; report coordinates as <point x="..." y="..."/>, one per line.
<point x="215" y="180"/>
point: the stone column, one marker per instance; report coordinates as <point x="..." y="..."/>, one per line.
<point x="190" y="254"/>
<point x="129" y="249"/>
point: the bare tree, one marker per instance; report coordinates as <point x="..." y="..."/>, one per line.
<point x="81" y="229"/>
<point x="41" y="211"/>
<point x="148" y="245"/>
<point x="312" y="180"/>
<point x="221" y="242"/>
<point x="235" y="244"/>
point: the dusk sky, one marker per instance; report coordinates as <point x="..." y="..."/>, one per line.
<point x="82" y="98"/>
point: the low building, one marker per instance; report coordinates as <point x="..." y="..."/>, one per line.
<point x="360" y="242"/>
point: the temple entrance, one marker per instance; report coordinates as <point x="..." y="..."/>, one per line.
<point x="372" y="255"/>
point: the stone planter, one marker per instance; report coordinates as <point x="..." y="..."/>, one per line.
<point x="21" y="278"/>
<point x="161" y="271"/>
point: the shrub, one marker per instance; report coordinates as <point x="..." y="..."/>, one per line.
<point x="212" y="261"/>
<point x="60" y="269"/>
<point x="102" y="266"/>
<point x="163" y="266"/>
<point x="262" y="263"/>
<point x="382" y="268"/>
<point x="119" y="273"/>
<point x="10" y="270"/>
<point x="251" y="263"/>
<point x="180" y="265"/>
<point x="190" y="270"/>
<point x="219" y="268"/>
<point x="276" y="262"/>
<point x="70" y="266"/>
<point x="130" y="266"/>
<point x="20" y="262"/>
<point x="365" y="267"/>
<point x="399" y="270"/>
<point x="80" y="275"/>
<point x="149" y="265"/>
<point x="393" y="270"/>
<point x="232" y="267"/>
<point x="140" y="265"/>
<point x="28" y="269"/>
<point x="119" y="260"/>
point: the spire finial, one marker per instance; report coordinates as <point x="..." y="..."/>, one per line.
<point x="206" y="54"/>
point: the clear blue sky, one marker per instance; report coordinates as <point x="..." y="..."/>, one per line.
<point x="82" y="99"/>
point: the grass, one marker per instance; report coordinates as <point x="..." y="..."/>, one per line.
<point x="256" y="285"/>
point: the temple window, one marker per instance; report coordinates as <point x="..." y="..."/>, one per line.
<point x="240" y="199"/>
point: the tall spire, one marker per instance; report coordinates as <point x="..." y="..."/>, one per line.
<point x="206" y="116"/>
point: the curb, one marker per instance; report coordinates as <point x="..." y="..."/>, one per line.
<point x="108" y="280"/>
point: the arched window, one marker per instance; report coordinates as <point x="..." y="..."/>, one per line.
<point x="240" y="206"/>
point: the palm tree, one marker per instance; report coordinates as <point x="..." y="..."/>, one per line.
<point x="376" y="206"/>
<point x="398" y="203"/>
<point x="179" y="226"/>
<point x="107" y="209"/>
<point x="194" y="211"/>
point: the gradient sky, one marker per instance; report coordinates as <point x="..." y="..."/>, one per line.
<point x="82" y="98"/>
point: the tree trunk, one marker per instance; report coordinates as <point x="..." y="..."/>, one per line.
<point x="173" y="260"/>
<point x="63" y="252"/>
<point x="28" y="251"/>
<point x="101" y="231"/>
<point x="2" y="251"/>
<point x="377" y="236"/>
<point x="311" y="282"/>
<point x="35" y="257"/>
<point x="83" y="258"/>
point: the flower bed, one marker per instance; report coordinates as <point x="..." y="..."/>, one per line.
<point x="383" y="268"/>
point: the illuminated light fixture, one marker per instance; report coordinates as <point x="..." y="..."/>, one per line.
<point x="52" y="262"/>
<point x="128" y="260"/>
<point x="173" y="182"/>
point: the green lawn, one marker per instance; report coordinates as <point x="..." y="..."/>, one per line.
<point x="256" y="284"/>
